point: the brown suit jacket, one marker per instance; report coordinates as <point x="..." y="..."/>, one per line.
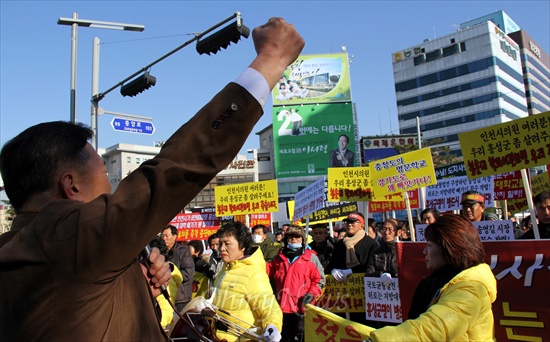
<point x="69" y="272"/>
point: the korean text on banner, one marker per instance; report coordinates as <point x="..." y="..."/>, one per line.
<point x="310" y="199"/>
<point x="323" y="325"/>
<point x="513" y="145"/>
<point x="521" y="310"/>
<point x="349" y="184"/>
<point x="407" y="171"/>
<point x="540" y="183"/>
<point x="247" y="198"/>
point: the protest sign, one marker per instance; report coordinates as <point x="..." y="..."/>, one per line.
<point x="348" y="296"/>
<point x="513" y="145"/>
<point x="349" y="184"/>
<point x="446" y="194"/>
<point x="488" y="230"/>
<point x="383" y="303"/>
<point x="246" y="198"/>
<point x="322" y="325"/>
<point x="404" y="172"/>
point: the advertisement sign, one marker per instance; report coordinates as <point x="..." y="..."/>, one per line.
<point x="447" y="193"/>
<point x="379" y="147"/>
<point x="404" y="172"/>
<point x="309" y="139"/>
<point x="349" y="184"/>
<point x="246" y="198"/>
<point x="513" y="145"/>
<point x="314" y="79"/>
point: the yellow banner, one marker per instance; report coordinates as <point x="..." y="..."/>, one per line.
<point x="540" y="183"/>
<point x="247" y="198"/>
<point x="510" y="146"/>
<point x="404" y="172"/>
<point x="322" y="325"/>
<point x="349" y="184"/>
<point x="340" y="297"/>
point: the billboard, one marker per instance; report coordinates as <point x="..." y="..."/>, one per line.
<point x="314" y="79"/>
<point x="308" y="139"/>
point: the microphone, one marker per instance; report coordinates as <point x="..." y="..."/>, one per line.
<point x="145" y="256"/>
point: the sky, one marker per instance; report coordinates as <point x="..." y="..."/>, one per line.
<point x="35" y="55"/>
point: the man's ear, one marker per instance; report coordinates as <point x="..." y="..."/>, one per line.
<point x="68" y="187"/>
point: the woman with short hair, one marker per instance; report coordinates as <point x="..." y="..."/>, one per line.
<point x="454" y="302"/>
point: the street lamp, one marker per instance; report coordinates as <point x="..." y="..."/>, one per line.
<point x="75" y="22"/>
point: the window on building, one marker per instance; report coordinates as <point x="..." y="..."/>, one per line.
<point x="128" y="160"/>
<point x="138" y="160"/>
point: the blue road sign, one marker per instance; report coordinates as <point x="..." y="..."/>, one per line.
<point x="132" y="126"/>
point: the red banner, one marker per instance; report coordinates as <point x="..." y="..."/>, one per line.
<point x="522" y="307"/>
<point x="509" y="185"/>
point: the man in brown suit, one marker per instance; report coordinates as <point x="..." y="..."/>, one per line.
<point x="68" y="267"/>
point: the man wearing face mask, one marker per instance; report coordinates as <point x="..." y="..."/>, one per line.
<point x="298" y="278"/>
<point x="262" y="240"/>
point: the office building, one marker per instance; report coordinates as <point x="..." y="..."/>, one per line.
<point x="463" y="81"/>
<point x="536" y="72"/>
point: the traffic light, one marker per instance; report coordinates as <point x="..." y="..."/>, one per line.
<point x="221" y="39"/>
<point x="138" y="85"/>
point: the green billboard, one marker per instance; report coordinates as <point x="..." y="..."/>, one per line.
<point x="308" y="139"/>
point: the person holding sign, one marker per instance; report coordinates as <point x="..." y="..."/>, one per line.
<point x="473" y="206"/>
<point x="454" y="302"/>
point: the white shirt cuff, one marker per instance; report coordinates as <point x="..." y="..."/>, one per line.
<point x="256" y="85"/>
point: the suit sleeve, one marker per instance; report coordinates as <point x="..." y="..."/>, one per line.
<point x="113" y="229"/>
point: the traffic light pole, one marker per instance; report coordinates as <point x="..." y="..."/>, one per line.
<point x="100" y="96"/>
<point x="213" y="43"/>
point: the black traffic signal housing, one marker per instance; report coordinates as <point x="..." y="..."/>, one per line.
<point x="221" y="39"/>
<point x="138" y="85"/>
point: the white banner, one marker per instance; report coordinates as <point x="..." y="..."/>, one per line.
<point x="446" y="194"/>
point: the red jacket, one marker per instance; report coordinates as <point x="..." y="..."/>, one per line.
<point x="293" y="281"/>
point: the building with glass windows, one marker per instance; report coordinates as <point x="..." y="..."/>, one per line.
<point x="536" y="72"/>
<point x="466" y="80"/>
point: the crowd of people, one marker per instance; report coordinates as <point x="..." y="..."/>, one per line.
<point x="73" y="267"/>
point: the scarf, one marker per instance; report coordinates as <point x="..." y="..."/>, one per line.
<point x="350" y="242"/>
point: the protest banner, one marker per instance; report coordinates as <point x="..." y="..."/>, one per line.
<point x="540" y="183"/>
<point x="446" y="194"/>
<point x="348" y="296"/>
<point x="310" y="199"/>
<point x="394" y="202"/>
<point x="196" y="226"/>
<point x="522" y="270"/>
<point x="383" y="303"/>
<point x="508" y="186"/>
<point x="322" y="325"/>
<point x="349" y="184"/>
<point x="246" y="198"/>
<point x="513" y="145"/>
<point x="404" y="172"/>
<point x="502" y="230"/>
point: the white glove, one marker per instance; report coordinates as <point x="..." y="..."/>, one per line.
<point x="272" y="334"/>
<point x="385" y="278"/>
<point x="341" y="275"/>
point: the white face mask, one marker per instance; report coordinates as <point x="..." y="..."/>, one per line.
<point x="294" y="246"/>
<point x="256" y="238"/>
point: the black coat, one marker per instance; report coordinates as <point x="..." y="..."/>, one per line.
<point x="363" y="250"/>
